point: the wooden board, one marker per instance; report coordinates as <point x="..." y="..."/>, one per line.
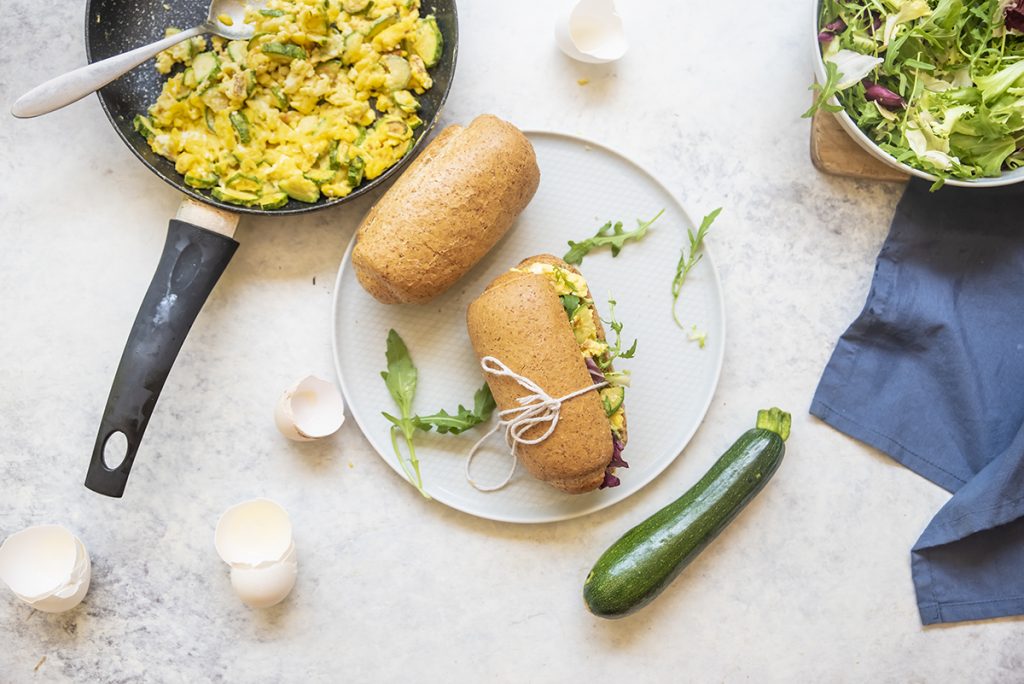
<point x="833" y="151"/>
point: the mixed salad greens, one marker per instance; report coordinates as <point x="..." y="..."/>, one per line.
<point x="938" y="84"/>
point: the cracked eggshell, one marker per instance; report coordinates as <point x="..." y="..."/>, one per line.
<point x="265" y="587"/>
<point x="591" y="31"/>
<point x="310" y="409"/>
<point x="47" y="567"/>
<point x="254" y="534"/>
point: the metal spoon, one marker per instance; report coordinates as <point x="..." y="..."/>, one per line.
<point x="73" y="86"/>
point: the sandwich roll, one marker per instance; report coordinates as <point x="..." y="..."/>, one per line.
<point x="522" y="320"/>
<point x="449" y="208"/>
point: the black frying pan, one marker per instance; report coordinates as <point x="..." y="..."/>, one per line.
<point x="193" y="257"/>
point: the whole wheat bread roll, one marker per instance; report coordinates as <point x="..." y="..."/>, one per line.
<point x="449" y="208"/>
<point x="520" y="320"/>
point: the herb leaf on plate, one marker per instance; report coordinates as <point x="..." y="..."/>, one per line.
<point x="615" y="350"/>
<point x="464" y="419"/>
<point x="400" y="378"/>
<point x="610" y="234"/>
<point x="687" y="260"/>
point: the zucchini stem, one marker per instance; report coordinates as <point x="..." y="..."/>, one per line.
<point x="776" y="420"/>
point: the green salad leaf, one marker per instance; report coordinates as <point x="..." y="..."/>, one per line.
<point x="610" y="234"/>
<point x="945" y="90"/>
<point x="826" y="91"/>
<point x="615" y="349"/>
<point x="570" y="303"/>
<point x="687" y="260"/>
<point x="464" y="419"/>
<point x="400" y="378"/>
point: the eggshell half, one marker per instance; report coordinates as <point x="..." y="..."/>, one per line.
<point x="254" y="534"/>
<point x="73" y="593"/>
<point x="591" y="31"/>
<point x="310" y="409"/>
<point x="38" y="561"/>
<point x="268" y="586"/>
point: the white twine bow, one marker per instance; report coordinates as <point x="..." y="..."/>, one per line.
<point x="535" y="408"/>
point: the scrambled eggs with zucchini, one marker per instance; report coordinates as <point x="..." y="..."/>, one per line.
<point x="322" y="96"/>
<point x="572" y="289"/>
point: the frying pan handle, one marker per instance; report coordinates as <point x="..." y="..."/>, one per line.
<point x="192" y="261"/>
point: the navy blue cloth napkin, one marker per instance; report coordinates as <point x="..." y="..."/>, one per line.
<point x="932" y="373"/>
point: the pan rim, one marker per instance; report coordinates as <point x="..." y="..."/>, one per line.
<point x="180" y="185"/>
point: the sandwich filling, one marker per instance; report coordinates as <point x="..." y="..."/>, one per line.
<point x="572" y="289"/>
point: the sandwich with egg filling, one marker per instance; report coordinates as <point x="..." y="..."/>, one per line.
<point x="539" y="319"/>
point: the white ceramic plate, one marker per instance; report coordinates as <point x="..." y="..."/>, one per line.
<point x="582" y="186"/>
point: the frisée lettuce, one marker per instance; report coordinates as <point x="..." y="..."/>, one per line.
<point x="937" y="84"/>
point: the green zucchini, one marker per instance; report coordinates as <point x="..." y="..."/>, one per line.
<point x="300" y="188"/>
<point x="428" y="43"/>
<point x="205" y="66"/>
<point x="197" y="181"/>
<point x="250" y="82"/>
<point x="393" y="128"/>
<point x="283" y="51"/>
<point x="244" y="199"/>
<point x="645" y="560"/>
<point x="320" y="176"/>
<point x="355" y="6"/>
<point x="387" y="21"/>
<point x="241" y="124"/>
<point x="211" y="120"/>
<point x="251" y="45"/>
<point x="350" y="52"/>
<point x="244" y="182"/>
<point x="405" y="101"/>
<point x="356" y="165"/>
<point x="272" y="200"/>
<point x="143" y="126"/>
<point x="331" y="67"/>
<point x="280" y="98"/>
<point x="238" y="51"/>
<point x="398" y="72"/>
<point x="332" y="156"/>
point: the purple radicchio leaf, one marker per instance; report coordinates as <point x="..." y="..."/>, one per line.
<point x="617" y="447"/>
<point x="885" y="97"/>
<point x="596" y="374"/>
<point x="831" y="30"/>
<point x="609" y="478"/>
<point x="1015" y="16"/>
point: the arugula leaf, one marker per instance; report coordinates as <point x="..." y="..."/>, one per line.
<point x="570" y="303"/>
<point x="610" y="234"/>
<point x="464" y="419"/>
<point x="615" y="350"/>
<point x="825" y="91"/>
<point x="400" y="378"/>
<point x="688" y="261"/>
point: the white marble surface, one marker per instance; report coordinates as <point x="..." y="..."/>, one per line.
<point x="812" y="583"/>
